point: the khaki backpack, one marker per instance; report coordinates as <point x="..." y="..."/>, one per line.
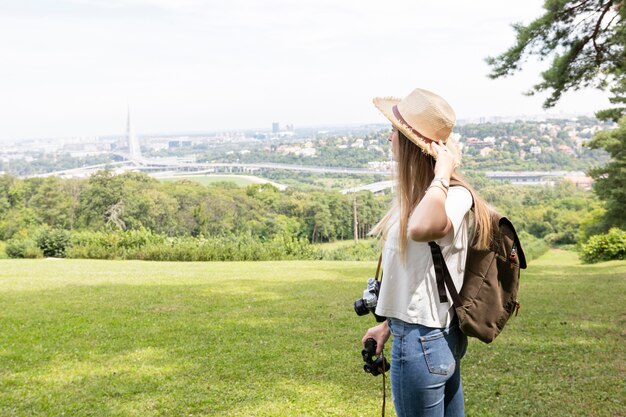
<point x="490" y="284"/>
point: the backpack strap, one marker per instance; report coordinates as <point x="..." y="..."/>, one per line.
<point x="440" y="265"/>
<point x="441" y="269"/>
<point x="443" y="277"/>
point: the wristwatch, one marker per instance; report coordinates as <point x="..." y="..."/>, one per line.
<point x="443" y="182"/>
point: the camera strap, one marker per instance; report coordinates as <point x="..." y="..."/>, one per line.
<point x="384" y="392"/>
<point x="380" y="260"/>
<point x="382" y="370"/>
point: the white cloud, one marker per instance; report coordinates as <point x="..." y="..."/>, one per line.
<point x="200" y="65"/>
<point x="124" y="4"/>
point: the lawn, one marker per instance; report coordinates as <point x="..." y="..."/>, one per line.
<point x="131" y="338"/>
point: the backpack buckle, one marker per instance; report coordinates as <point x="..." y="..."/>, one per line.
<point x="513" y="258"/>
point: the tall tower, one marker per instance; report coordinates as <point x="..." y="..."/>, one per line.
<point x="133" y="143"/>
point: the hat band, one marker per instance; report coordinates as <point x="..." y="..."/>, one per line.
<point x="408" y="126"/>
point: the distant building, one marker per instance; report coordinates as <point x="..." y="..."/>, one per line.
<point x="179" y="144"/>
<point x="477" y="143"/>
<point x="358" y="144"/>
<point x="580" y="181"/>
<point x="485" y="151"/>
<point x="383" y="166"/>
<point x="306" y="149"/>
<point x="566" y="149"/>
<point x="275" y="127"/>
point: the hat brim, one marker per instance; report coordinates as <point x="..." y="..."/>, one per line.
<point x="385" y="105"/>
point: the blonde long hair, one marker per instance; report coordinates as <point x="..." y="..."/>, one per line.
<point x="414" y="173"/>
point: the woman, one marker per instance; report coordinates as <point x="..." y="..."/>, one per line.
<point x="427" y="344"/>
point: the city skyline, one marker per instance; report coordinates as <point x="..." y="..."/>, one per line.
<point x="191" y="66"/>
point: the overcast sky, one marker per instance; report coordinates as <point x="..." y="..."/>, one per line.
<point x="69" y="67"/>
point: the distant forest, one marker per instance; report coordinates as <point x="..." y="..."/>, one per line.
<point x="107" y="210"/>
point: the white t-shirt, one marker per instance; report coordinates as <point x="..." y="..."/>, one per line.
<point x="409" y="290"/>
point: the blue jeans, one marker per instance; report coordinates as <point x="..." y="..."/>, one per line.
<point x="426" y="371"/>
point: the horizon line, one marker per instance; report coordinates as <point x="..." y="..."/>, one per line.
<point x="466" y="120"/>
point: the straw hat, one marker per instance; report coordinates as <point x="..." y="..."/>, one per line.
<point x="423" y="117"/>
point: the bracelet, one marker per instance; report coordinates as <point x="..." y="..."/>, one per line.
<point x="443" y="181"/>
<point x="441" y="187"/>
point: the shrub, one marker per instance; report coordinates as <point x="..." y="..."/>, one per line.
<point x="54" y="242"/>
<point x="605" y="247"/>
<point x="3" y="254"/>
<point x="533" y="246"/>
<point x="22" y="248"/>
<point x="145" y="245"/>
<point x="362" y="251"/>
<point x="112" y="245"/>
<point x="14" y="222"/>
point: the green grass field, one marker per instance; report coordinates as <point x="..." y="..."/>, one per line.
<point x="131" y="338"/>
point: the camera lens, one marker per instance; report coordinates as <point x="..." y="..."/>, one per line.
<point x="360" y="307"/>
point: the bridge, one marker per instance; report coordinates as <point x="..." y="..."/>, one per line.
<point x="375" y="188"/>
<point x="532" y="177"/>
<point x="173" y="165"/>
<point x="165" y="165"/>
<point x="260" y="166"/>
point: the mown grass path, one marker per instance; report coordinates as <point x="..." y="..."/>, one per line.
<point x="131" y="338"/>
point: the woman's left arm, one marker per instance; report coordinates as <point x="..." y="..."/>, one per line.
<point x="429" y="220"/>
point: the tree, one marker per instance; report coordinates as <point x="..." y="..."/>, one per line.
<point x="610" y="179"/>
<point x="585" y="39"/>
<point x="188" y="195"/>
<point x="50" y="203"/>
<point x="102" y="192"/>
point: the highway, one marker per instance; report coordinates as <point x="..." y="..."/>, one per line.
<point x="150" y="166"/>
<point x="173" y="165"/>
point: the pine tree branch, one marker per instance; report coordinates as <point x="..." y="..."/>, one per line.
<point x="574" y="8"/>
<point x="596" y="30"/>
<point x="611" y="22"/>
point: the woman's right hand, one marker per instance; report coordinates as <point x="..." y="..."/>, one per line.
<point x="446" y="162"/>
<point x="380" y="334"/>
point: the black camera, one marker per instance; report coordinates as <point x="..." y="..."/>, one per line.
<point x="374" y="364"/>
<point x="369" y="300"/>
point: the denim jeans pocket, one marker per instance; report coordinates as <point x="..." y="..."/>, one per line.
<point x="439" y="357"/>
